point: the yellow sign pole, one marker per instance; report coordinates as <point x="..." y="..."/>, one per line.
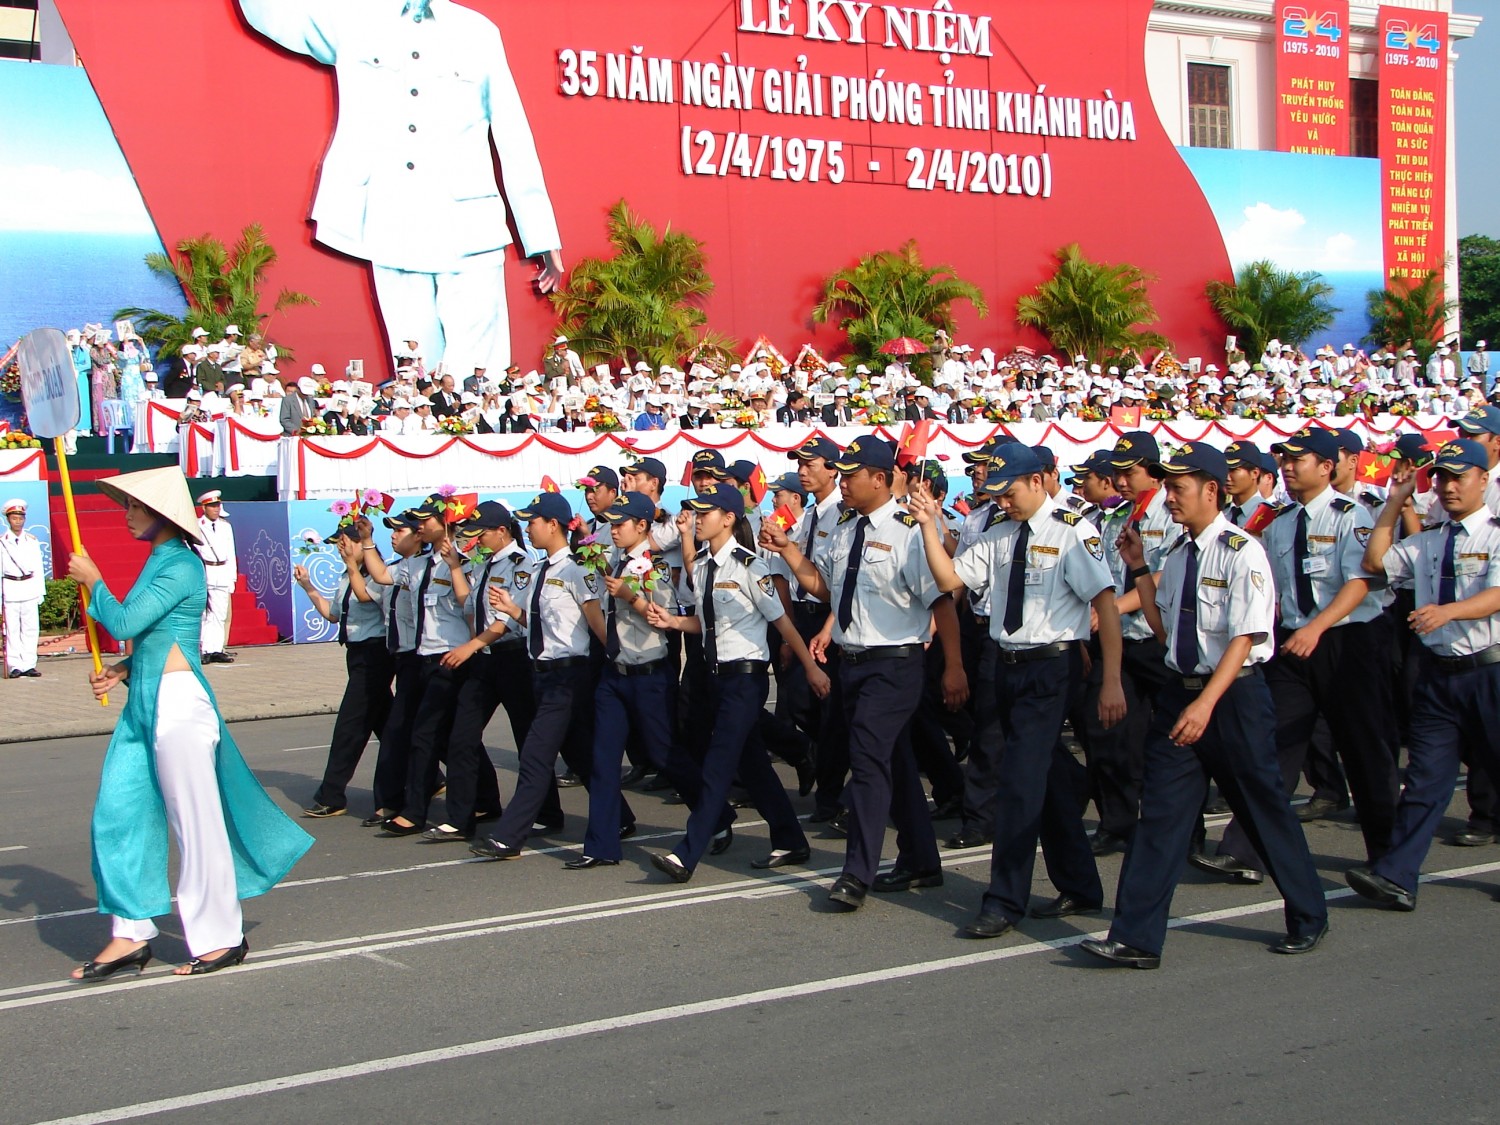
<point x="83" y="594"/>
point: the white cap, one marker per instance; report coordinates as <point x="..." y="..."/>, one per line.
<point x="469" y="398"/>
<point x="269" y="369"/>
<point x="401" y="404"/>
<point x="199" y="333"/>
<point x="15" y="506"/>
<point x="194" y="393"/>
<point x="318" y="369"/>
<point x="559" y="340"/>
<point x="231" y="330"/>
<point x="151" y="377"/>
<point x="213" y="496"/>
<point x="307" y="385"/>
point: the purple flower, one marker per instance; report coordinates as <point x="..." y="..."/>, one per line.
<point x="341" y="508"/>
<point x="589" y="540"/>
<point x="446" y="490"/>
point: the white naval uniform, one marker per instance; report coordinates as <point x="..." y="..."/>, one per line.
<point x="221" y="571"/>
<point x="22" y="586"/>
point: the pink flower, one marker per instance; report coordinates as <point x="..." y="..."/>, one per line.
<point x="372" y="498"/>
<point x="589" y="540"/>
<point x="310" y="536"/>
<point x="341" y="508"/>
<point x="446" y="490"/>
<point x="587" y="482"/>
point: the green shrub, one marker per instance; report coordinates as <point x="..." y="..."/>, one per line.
<point x="59" y="609"/>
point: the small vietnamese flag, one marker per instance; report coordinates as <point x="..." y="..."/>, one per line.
<point x="1126" y="417"/>
<point x="1264" y="516"/>
<point x="912" y="446"/>
<point x="1436" y="439"/>
<point x="961" y="506"/>
<point x="1142" y="502"/>
<point x="1373" y="468"/>
<point x="461" y="507"/>
<point x="550" y="485"/>
<point x="758" y="484"/>
<point x="782" y="517"/>
<point x="687" y="473"/>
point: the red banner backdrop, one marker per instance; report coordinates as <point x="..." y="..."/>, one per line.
<point x="790" y="138"/>
<point x="1413" y="138"/>
<point x="1312" y="76"/>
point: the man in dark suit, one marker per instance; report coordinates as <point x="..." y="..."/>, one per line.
<point x="474" y="384"/>
<point x="181" y="371"/>
<point x="795" y="412"/>
<point x="919" y="406"/>
<point x="694" y="419"/>
<point x="839" y="413"/>
<point x="444" y="399"/>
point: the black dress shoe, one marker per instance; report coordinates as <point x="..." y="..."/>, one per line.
<point x="488" y="848"/>
<point x="1121" y="954"/>
<point x="785" y="859"/>
<point x="1228" y="868"/>
<point x="103" y="970"/>
<point x="627" y="831"/>
<point x="317" y="812"/>
<point x="1377" y="888"/>
<point x="839" y="825"/>
<point x="822" y="816"/>
<point x="670" y="866"/>
<point x="950" y="809"/>
<point x="586" y="862"/>
<point x="987" y="925"/>
<point x="16" y="674"/>
<point x="721" y="842"/>
<point x="1064" y="905"/>
<point x="33" y="673"/>
<point x="900" y="879"/>
<point x="442" y="834"/>
<point x="390" y="829"/>
<point x="1305" y="944"/>
<point x="377" y="819"/>
<point x="1105" y="843"/>
<point x="1320" y="807"/>
<point x="807" y="775"/>
<point x="848" y="892"/>
<point x="635" y="774"/>
<point x="569" y="780"/>
<point x="1471" y="839"/>
<point x="967" y="838"/>
<point x="236" y="956"/>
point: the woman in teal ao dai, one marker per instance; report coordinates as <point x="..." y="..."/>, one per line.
<point x="172" y="761"/>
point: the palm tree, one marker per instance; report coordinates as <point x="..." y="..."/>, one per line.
<point x="222" y="287"/>
<point x="1411" y="313"/>
<point x="1266" y="303"/>
<point x="643" y="303"/>
<point x="1092" y="308"/>
<point x="891" y="294"/>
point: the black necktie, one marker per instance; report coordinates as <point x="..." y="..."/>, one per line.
<point x="851" y="575"/>
<point x="481" y="600"/>
<point x="611" y="629"/>
<point x="807" y="545"/>
<point x="1185" y="646"/>
<point x="1015" y="595"/>
<point x="1447" y="572"/>
<point x="392" y="630"/>
<point x="1306" y="602"/>
<point x="710" y="638"/>
<point x="1237" y="515"/>
<point x="534" y="621"/>
<point x="422" y="597"/>
<point x="344" y="617"/>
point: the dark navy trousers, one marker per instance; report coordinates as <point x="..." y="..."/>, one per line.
<point x="395" y="736"/>
<point x="488" y="680"/>
<point x="880" y="697"/>
<point x="362" y="712"/>
<point x="1237" y="750"/>
<point x="1041" y="788"/>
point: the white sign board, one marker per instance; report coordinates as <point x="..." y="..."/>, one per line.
<point x="49" y="385"/>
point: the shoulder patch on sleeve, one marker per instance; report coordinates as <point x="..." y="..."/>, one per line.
<point x="1495" y="521"/>
<point x="906" y="518"/>
<point x="591" y="581"/>
<point x="1371" y="499"/>
<point x="746" y="557"/>
<point x="1065" y="516"/>
<point x="702" y="552"/>
<point x="1342" y="504"/>
<point x="849" y="514"/>
<point x="661" y="565"/>
<point x="996" y="516"/>
<point x="1231" y="539"/>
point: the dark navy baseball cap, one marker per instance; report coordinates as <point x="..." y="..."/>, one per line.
<point x="1315" y="440"/>
<point x="1247" y="455"/>
<point x="1196" y="457"/>
<point x="547" y="506"/>
<point x="1135" y="447"/>
<point x="1046" y="457"/>
<point x="1096" y="462"/>
<point x="725" y="497"/>
<point x="1008" y="466"/>
<point x="866" y="452"/>
<point x="1350" y="442"/>
<point x="1413" y="448"/>
<point x="710" y="461"/>
<point x="629" y="506"/>
<point x="602" y="474"/>
<point x="648" y="465"/>
<point x="1460" y="455"/>
<point x="1485" y="420"/>
<point x="788" y="482"/>
<point x="407" y="519"/>
<point x="817" y="446"/>
<point x="742" y="471"/>
<point x="434" y="507"/>
<point x="487" y="516"/>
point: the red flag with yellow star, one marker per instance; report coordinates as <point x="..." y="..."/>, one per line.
<point x="783" y="519"/>
<point x="550" y="485"/>
<point x="912" y="445"/>
<point x="1264" y="516"/>
<point x="1373" y="468"/>
<point x="460" y="507"/>
<point x="1125" y="417"/>
<point x="759" y="486"/>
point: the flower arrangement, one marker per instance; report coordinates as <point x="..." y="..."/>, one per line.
<point x="606" y="422"/>
<point x="997" y="411"/>
<point x="455" y="425"/>
<point x="1207" y="413"/>
<point x="1091" y="414"/>
<point x="640" y="575"/>
<point x="591" y="554"/>
<point x="10" y="381"/>
<point x="591" y="404"/>
<point x="1404" y="409"/>
<point x="315" y="427"/>
<point x="19" y="439"/>
<point x="860" y="402"/>
<point x="1308" y="410"/>
<point x="1159" y="414"/>
<point x="810" y="361"/>
<point x="1254" y="413"/>
<point x="880" y="416"/>
<point x="1165" y="366"/>
<point x="740" y="419"/>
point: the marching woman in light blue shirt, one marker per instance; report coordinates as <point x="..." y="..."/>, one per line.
<point x="171" y="760"/>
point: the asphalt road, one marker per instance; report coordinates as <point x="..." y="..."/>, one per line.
<point x="392" y="980"/>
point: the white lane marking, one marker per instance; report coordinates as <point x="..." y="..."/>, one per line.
<point x="658" y="1015"/>
<point x="388" y="961"/>
<point x="14" y="848"/>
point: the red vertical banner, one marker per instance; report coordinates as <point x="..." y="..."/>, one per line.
<point x="1312" y="77"/>
<point x="1414" y="139"/>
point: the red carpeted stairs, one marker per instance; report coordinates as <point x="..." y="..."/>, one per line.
<point x="101" y="525"/>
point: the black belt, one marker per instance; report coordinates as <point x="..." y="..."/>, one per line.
<point x="17" y="577"/>
<point x="645" y="669"/>
<point x="210" y="562"/>
<point x="739" y="667"/>
<point x="561" y="662"/>
<point x="1198" y="683"/>
<point x="980" y="619"/>
<point x="1036" y="652"/>
<point x="879" y="652"/>
<point x="1490" y="655"/>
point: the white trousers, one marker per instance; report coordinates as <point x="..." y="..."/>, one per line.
<point x="460" y="319"/>
<point x="216" y="619"/>
<point x="187" y="743"/>
<point x="21" y="633"/>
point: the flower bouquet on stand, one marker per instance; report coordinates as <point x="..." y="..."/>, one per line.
<point x="606" y="422"/>
<point x="315" y="427"/>
<point x="455" y="425"/>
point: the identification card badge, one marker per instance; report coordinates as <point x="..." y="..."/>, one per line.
<point x="1033" y="577"/>
<point x="1315" y="565"/>
<point x="1470" y="567"/>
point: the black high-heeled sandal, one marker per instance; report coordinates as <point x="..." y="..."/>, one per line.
<point x="235" y="956"/>
<point x="103" y="970"/>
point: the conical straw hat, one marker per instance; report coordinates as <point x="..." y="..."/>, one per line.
<point x="163" y="490"/>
